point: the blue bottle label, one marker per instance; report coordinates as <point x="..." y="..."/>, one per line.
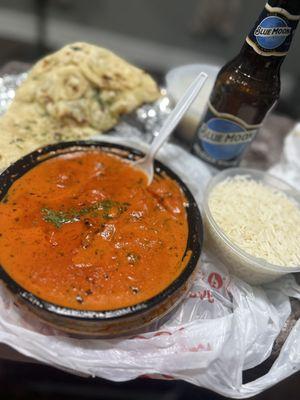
<point x="222" y="138"/>
<point x="273" y="32"/>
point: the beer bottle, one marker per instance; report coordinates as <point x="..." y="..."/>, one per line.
<point x="247" y="87"/>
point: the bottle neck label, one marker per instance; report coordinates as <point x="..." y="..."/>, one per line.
<point x="222" y="138"/>
<point x="273" y="32"/>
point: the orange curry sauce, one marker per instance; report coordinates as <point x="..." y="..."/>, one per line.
<point x="84" y="231"/>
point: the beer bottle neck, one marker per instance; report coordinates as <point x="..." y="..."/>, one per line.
<point x="272" y="33"/>
<point x="263" y="66"/>
<point x="291" y="6"/>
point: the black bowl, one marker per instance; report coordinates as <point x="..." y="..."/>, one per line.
<point x="128" y="320"/>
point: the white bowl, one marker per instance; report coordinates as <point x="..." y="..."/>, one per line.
<point x="177" y="81"/>
<point x="251" y="269"/>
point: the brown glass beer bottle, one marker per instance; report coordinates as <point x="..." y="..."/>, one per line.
<point x="247" y="87"/>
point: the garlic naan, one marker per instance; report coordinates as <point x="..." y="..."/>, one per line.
<point x="72" y="94"/>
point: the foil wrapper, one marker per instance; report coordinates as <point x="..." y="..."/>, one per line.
<point x="153" y="115"/>
<point x="8" y="86"/>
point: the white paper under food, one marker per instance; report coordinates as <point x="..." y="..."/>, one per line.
<point x="223" y="326"/>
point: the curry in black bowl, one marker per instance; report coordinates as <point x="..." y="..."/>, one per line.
<point x="88" y="246"/>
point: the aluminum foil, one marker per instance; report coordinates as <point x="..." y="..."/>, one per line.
<point x="153" y="115"/>
<point x="8" y="86"/>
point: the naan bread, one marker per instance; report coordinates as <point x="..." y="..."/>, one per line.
<point x="70" y="95"/>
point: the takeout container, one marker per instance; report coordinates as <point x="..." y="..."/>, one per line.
<point x="177" y="81"/>
<point x="128" y="320"/>
<point x="251" y="269"/>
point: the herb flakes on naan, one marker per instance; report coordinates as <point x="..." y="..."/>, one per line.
<point x="72" y="94"/>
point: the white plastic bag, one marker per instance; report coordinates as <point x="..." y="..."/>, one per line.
<point x="223" y="326"/>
